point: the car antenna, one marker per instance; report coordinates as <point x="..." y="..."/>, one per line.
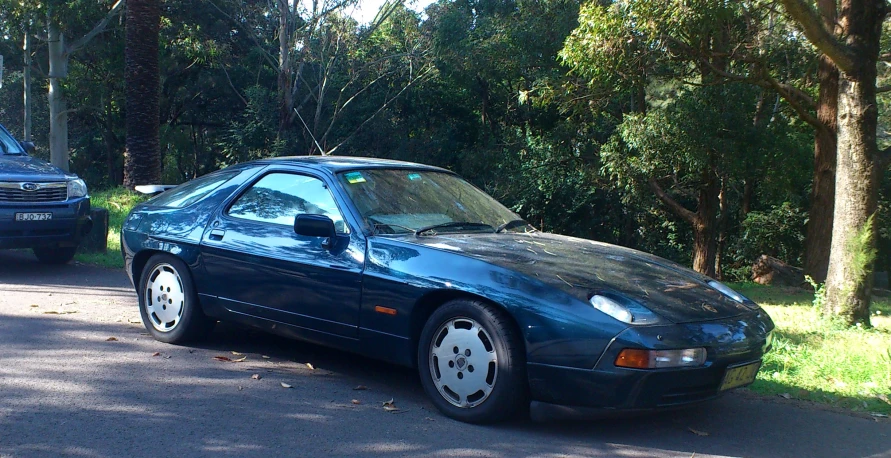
<point x="321" y="151"/>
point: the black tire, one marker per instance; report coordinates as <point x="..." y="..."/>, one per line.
<point x="188" y="323"/>
<point x="55" y="254"/>
<point x="508" y="394"/>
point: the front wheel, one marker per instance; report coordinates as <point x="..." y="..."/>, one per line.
<point x="55" y="254"/>
<point x="471" y="362"/>
<point x="168" y="303"/>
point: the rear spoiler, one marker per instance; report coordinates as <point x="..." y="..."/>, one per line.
<point x="153" y="189"/>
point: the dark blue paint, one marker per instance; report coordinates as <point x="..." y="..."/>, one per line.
<point x="269" y="277"/>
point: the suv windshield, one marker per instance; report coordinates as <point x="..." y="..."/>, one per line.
<point x="8" y="145"/>
<point x="404" y="201"/>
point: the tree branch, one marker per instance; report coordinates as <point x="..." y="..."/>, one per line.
<point x="817" y="33"/>
<point x="100" y="26"/>
<point x="672" y="204"/>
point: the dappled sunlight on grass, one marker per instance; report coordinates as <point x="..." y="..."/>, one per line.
<point x="819" y="359"/>
<point x="118" y="201"/>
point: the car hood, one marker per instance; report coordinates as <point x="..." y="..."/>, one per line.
<point x="27" y="168"/>
<point x="584" y="267"/>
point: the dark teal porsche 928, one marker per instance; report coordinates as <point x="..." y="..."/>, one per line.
<point x="410" y="264"/>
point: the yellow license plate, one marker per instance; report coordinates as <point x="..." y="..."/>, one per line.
<point x="738" y="376"/>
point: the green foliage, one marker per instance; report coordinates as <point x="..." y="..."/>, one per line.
<point x="777" y="232"/>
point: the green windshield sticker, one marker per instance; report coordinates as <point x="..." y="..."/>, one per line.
<point x="354" y="177"/>
<point x="414" y="176"/>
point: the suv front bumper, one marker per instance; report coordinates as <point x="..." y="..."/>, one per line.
<point x="70" y="222"/>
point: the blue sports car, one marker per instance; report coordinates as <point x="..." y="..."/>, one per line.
<point x="410" y="264"/>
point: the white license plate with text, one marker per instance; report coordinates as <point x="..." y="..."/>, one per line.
<point x="33" y="216"/>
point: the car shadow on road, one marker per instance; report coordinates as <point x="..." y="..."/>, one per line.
<point x="68" y="388"/>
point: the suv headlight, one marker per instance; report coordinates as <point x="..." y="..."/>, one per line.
<point x="625" y="311"/>
<point x="77" y="188"/>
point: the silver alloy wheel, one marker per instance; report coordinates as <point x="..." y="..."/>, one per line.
<point x="164" y="298"/>
<point x="463" y="362"/>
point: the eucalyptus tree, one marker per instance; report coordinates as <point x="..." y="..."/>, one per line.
<point x="854" y="46"/>
<point x="142" y="159"/>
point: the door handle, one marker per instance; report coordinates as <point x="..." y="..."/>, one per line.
<point x="216" y="234"/>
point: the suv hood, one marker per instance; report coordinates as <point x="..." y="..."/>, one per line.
<point x="27" y="168"/>
<point x="582" y="267"/>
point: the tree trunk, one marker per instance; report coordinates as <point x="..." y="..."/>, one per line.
<point x="58" y="111"/>
<point x="858" y="171"/>
<point x="284" y="65"/>
<point x="142" y="159"/>
<point x="26" y="83"/>
<point x="705" y="246"/>
<point x="819" y="226"/>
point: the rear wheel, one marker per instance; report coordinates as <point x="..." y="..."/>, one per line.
<point x="168" y="302"/>
<point x="55" y="254"/>
<point x="471" y="362"/>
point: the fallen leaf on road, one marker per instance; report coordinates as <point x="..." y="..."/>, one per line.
<point x="264" y="357"/>
<point x="111" y="339"/>
<point x="239" y="360"/>
<point x="356" y="401"/>
<point x="879" y="415"/>
<point x="134" y="320"/>
<point x="430" y="419"/>
<point x="310" y="367"/>
<point x="240" y="388"/>
<point x="157" y="353"/>
<point x="224" y="359"/>
<point x="388" y="403"/>
<point x="285" y="385"/>
<point x="237" y="353"/>
<point x="34" y="305"/>
<point x="390" y="407"/>
<point x="360" y="388"/>
<point x="785" y="395"/>
<point x="256" y="377"/>
<point x="60" y="312"/>
<point x="698" y="432"/>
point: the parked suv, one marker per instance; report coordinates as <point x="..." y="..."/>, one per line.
<point x="41" y="207"/>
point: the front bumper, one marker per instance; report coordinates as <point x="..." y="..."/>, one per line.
<point x="606" y="387"/>
<point x="70" y="222"/>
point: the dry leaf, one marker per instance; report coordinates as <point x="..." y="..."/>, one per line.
<point x="310" y="367"/>
<point x="285" y="385"/>
<point x="391" y="408"/>
<point x="157" y="353"/>
<point x="223" y="358"/>
<point x="785" y="395"/>
<point x="356" y="401"/>
<point x="239" y="360"/>
<point x="879" y="415"/>
<point x="134" y="320"/>
<point x="60" y="312"/>
<point x="264" y="357"/>
<point x="388" y="403"/>
<point x="34" y="305"/>
<point x="237" y="353"/>
<point x="698" y="432"/>
<point x="111" y="339"/>
<point x="256" y="377"/>
<point x="360" y="388"/>
<point x="240" y="388"/>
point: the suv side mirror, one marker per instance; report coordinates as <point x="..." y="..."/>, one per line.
<point x="314" y="226"/>
<point x="29" y="147"/>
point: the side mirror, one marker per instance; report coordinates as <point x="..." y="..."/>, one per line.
<point x="314" y="226"/>
<point x="29" y="147"/>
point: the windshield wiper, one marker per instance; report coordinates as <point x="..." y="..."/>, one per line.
<point x="453" y="224"/>
<point x="511" y="225"/>
<point x="376" y="225"/>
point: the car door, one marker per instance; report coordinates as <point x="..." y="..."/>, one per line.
<point x="258" y="266"/>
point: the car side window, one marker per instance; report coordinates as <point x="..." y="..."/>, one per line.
<point x="278" y="198"/>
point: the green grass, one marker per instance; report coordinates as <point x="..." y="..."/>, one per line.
<point x="118" y="201"/>
<point x="816" y="358"/>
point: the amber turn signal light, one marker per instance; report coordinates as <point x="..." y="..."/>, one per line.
<point x="656" y="359"/>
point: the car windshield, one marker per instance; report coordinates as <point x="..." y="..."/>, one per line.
<point x="397" y="201"/>
<point x="8" y="145"/>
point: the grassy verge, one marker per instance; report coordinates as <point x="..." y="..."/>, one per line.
<point x="118" y="201"/>
<point x="817" y="359"/>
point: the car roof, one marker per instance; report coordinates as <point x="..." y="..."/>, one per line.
<point x="337" y="164"/>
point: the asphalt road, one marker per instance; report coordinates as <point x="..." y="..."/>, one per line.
<point x="67" y="388"/>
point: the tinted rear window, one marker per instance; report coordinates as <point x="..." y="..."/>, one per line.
<point x="192" y="191"/>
